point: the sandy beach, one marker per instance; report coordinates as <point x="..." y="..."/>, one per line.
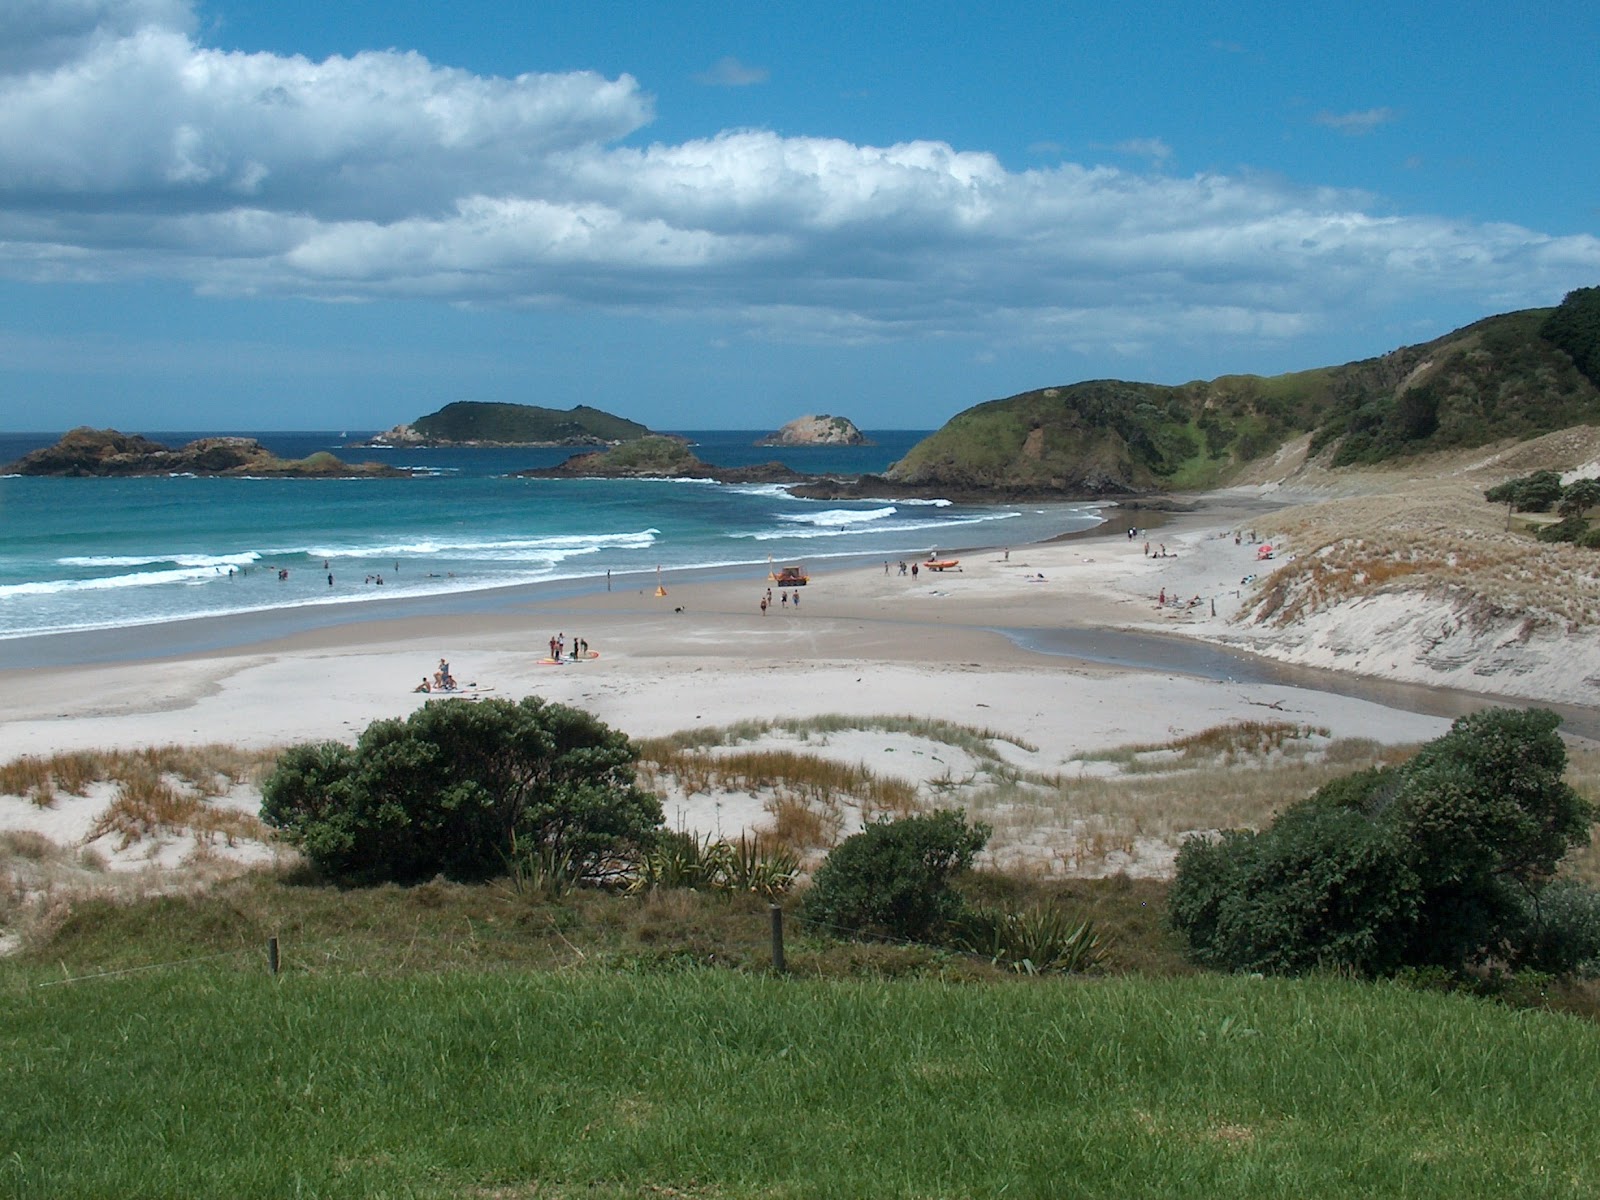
<point x="1066" y="648"/>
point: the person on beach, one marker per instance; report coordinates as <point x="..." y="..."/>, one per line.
<point x="763" y="606"/>
<point x="1162" y="598"/>
<point x="424" y="686"/>
<point x="913" y="570"/>
<point x="785" y="600"/>
<point x="797" y="601"/>
<point x="1147" y="549"/>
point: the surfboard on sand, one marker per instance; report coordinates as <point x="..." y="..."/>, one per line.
<point x="561" y="662"/>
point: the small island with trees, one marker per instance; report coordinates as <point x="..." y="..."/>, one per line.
<point x="474" y="423"/>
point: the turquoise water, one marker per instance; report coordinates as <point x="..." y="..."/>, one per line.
<point x="81" y="554"/>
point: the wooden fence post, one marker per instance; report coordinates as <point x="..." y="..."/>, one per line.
<point x="778" y="964"/>
<point x="272" y="954"/>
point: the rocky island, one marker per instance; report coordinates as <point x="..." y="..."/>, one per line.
<point x="474" y="423"/>
<point x="107" y="452"/>
<point x="660" y="457"/>
<point x="822" y="430"/>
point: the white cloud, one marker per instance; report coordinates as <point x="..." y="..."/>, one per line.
<point x="40" y="34"/>
<point x="137" y="152"/>
<point x="730" y="72"/>
<point x="1156" y="150"/>
<point x="1356" y="124"/>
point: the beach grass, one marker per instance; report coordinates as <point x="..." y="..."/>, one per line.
<point x="220" y="1082"/>
<point x="1444" y="538"/>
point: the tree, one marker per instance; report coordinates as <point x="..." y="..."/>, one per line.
<point x="1528" y="493"/>
<point x="1578" y="497"/>
<point x="1575" y="327"/>
<point x="1431" y="863"/>
<point x="894" y="877"/>
<point x="460" y="786"/>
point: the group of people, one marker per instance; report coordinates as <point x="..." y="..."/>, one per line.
<point x="784" y="598"/>
<point x="442" y="680"/>
<point x="558" y="648"/>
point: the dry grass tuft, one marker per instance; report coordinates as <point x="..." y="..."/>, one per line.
<point x="149" y="803"/>
<point x="1237" y="743"/>
<point x="208" y="770"/>
<point x="803" y="824"/>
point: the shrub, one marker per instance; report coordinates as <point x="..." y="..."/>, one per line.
<point x="894" y="877"/>
<point x="460" y="788"/>
<point x="1322" y="887"/>
<point x="1562" y="935"/>
<point x="1569" y="529"/>
<point x="1426" y="864"/>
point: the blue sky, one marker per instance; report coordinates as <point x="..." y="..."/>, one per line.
<point x="230" y="214"/>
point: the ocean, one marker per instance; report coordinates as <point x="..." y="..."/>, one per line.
<point x="96" y="554"/>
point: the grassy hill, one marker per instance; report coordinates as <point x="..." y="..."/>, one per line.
<point x="472" y="421"/>
<point x="1511" y="376"/>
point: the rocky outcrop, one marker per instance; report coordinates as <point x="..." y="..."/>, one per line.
<point x="817" y="431"/>
<point x="658" y="457"/>
<point x="106" y="452"/>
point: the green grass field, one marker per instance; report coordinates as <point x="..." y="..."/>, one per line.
<point x="220" y="1080"/>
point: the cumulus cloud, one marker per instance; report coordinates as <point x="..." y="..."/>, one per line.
<point x="129" y="149"/>
<point x="39" y="34"/>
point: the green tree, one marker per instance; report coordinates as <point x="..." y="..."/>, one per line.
<point x="1578" y="497"/>
<point x="458" y="787"/>
<point x="1575" y="327"/>
<point x="1528" y="493"/>
<point x="894" y="878"/>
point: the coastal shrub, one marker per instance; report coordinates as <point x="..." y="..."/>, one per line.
<point x="1569" y="529"/>
<point x="1321" y="887"/>
<point x="1426" y="864"/>
<point x="460" y="788"/>
<point x="1562" y="931"/>
<point x="894" y="878"/>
